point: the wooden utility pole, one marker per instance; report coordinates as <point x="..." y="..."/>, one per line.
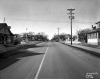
<point x="26" y="35"/>
<point x="4" y="20"/>
<point x="58" y="34"/>
<point x="71" y="17"/>
<point x="58" y="31"/>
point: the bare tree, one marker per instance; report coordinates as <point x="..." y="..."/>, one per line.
<point x="82" y="34"/>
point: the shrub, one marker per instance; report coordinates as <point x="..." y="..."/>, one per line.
<point x="17" y="41"/>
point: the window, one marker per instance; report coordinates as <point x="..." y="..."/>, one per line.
<point x="92" y="36"/>
<point x="96" y="35"/>
<point x="99" y="34"/>
<point x="88" y="36"/>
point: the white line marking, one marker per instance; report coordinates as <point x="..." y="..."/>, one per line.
<point x="41" y="64"/>
<point x="33" y="67"/>
<point x="32" y="70"/>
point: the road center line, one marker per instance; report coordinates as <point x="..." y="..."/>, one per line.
<point x="37" y="74"/>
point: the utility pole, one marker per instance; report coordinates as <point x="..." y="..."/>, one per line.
<point x="71" y="17"/>
<point x="58" y="34"/>
<point x="4" y="20"/>
<point x="26" y="35"/>
<point x="58" y="31"/>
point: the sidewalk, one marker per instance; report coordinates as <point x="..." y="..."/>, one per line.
<point x="88" y="48"/>
<point x="85" y="47"/>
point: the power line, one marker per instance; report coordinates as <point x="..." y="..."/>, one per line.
<point x="71" y="5"/>
<point x="89" y="13"/>
<point x="48" y="21"/>
<point x="38" y="20"/>
<point x="82" y="22"/>
<point x="47" y="0"/>
<point x="78" y="3"/>
<point x="40" y="13"/>
<point x="83" y="7"/>
<point x="76" y="26"/>
<point x="65" y="26"/>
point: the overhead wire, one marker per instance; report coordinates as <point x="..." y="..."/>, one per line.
<point x="78" y="4"/>
<point x="37" y="20"/>
<point x="81" y="10"/>
<point x="50" y="13"/>
<point x="39" y="14"/>
<point x="83" y="7"/>
<point x="76" y="26"/>
<point x="75" y="21"/>
<point x="69" y="8"/>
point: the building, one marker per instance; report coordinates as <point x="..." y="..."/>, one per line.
<point x="93" y="37"/>
<point x="6" y="36"/>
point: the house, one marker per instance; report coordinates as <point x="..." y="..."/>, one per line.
<point x="93" y="37"/>
<point x="6" y="36"/>
<point x="68" y="37"/>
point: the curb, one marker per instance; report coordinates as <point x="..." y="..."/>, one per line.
<point x="85" y="50"/>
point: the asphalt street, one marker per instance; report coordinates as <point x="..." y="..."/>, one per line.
<point x="50" y="60"/>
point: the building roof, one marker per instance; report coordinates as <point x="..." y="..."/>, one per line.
<point x="2" y="25"/>
<point x="4" y="29"/>
<point x="94" y="31"/>
<point x="97" y="22"/>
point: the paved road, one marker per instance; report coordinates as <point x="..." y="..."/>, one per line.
<point x="50" y="60"/>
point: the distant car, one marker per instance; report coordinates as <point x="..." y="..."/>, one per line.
<point x="56" y="41"/>
<point x="52" y="40"/>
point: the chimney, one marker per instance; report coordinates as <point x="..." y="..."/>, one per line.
<point x="93" y="27"/>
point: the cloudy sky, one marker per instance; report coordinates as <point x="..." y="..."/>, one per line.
<point x="48" y="15"/>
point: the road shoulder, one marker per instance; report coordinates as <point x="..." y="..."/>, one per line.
<point x="94" y="52"/>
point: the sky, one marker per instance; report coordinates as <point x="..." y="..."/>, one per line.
<point x="48" y="15"/>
